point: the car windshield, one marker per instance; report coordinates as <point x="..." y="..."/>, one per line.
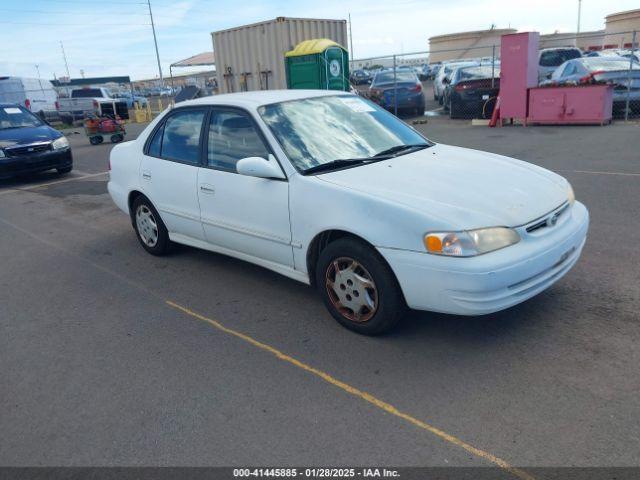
<point x="401" y="76"/>
<point x="321" y="130"/>
<point x="17" y="117"/>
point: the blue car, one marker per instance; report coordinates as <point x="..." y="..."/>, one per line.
<point x="404" y="82"/>
<point x="30" y="145"/>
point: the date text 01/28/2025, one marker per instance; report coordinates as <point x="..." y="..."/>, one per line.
<point x="315" y="472"/>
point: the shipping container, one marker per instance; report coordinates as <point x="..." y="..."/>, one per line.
<point x="252" y="57"/>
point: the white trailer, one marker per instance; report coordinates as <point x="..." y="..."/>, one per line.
<point x="251" y="57"/>
<point x="35" y="94"/>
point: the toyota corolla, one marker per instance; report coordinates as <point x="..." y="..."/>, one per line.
<point x="331" y="190"/>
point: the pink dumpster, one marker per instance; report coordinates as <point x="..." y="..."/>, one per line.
<point x="584" y="104"/>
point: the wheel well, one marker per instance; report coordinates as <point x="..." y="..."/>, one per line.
<point x="318" y="244"/>
<point x="132" y="198"/>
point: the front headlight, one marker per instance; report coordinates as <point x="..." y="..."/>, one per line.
<point x="60" y="143"/>
<point x="470" y="243"/>
<point x="571" y="196"/>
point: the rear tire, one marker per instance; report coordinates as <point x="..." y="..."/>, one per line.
<point x="358" y="287"/>
<point x="64" y="170"/>
<point x="149" y="227"/>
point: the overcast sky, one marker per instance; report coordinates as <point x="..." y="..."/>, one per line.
<point x="114" y="37"/>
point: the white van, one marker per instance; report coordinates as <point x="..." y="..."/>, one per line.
<point x="35" y="94"/>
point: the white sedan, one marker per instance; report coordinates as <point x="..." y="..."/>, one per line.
<point x="331" y="190"/>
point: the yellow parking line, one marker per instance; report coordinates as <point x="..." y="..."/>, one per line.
<point x="359" y="393"/>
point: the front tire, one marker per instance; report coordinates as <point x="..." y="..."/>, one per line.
<point x="358" y="287"/>
<point x="149" y="227"/>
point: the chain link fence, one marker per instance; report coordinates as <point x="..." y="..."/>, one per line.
<point x="464" y="83"/>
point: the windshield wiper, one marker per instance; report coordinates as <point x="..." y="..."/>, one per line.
<point x="348" y="162"/>
<point x="341" y="162"/>
<point x="401" y="148"/>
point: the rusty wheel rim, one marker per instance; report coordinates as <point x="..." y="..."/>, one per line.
<point x="351" y="289"/>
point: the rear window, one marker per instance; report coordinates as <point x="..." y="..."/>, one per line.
<point x="401" y="76"/>
<point x="471" y="73"/>
<point x="555" y="58"/>
<point x="86" y="93"/>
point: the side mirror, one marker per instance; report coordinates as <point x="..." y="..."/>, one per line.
<point x="259" y="167"/>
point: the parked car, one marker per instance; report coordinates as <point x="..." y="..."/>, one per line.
<point x="434" y="68"/>
<point x="444" y="72"/>
<point x="614" y="70"/>
<point x="359" y="77"/>
<point x="36" y="95"/>
<point x="409" y="90"/>
<point x="28" y="144"/>
<point x="424" y="72"/>
<point x="131" y="99"/>
<point x="551" y="58"/>
<point x="471" y="92"/>
<point x="330" y="190"/>
<point x="91" y="101"/>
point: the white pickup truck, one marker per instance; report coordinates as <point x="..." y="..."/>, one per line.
<point x="96" y="101"/>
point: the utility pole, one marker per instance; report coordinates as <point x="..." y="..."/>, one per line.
<point x="155" y="41"/>
<point x="350" y="39"/>
<point x="579" y="14"/>
<point x="39" y="79"/>
<point x="64" y="56"/>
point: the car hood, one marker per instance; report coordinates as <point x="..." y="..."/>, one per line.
<point x="23" y="136"/>
<point x="460" y="187"/>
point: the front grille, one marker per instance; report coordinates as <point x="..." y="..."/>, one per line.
<point x="27" y="149"/>
<point x="549" y="220"/>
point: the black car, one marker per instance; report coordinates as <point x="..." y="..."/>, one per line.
<point x="359" y="77"/>
<point x="471" y="92"/>
<point x="28" y="144"/>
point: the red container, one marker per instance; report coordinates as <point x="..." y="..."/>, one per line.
<point x="589" y="104"/>
<point x="518" y="72"/>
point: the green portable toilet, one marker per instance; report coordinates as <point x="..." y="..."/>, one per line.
<point x="318" y="64"/>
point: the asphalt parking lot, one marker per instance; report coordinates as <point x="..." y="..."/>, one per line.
<point x="98" y="369"/>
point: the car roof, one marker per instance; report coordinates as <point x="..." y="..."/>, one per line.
<point x="550" y="49"/>
<point x="604" y="58"/>
<point x="258" y="98"/>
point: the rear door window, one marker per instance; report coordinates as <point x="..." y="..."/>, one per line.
<point x="181" y="136"/>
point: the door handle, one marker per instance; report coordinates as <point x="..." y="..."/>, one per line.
<point x="208" y="189"/>
<point x="146" y="175"/>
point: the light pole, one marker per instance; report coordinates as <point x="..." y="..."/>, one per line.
<point x="155" y="41"/>
<point x="350" y="39"/>
<point x="579" y="14"/>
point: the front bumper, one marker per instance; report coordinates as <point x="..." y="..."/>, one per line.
<point x="494" y="281"/>
<point x="40" y="162"/>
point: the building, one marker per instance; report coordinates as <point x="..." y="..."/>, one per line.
<point x="474" y="44"/>
<point x="618" y="33"/>
<point x="619" y="27"/>
<point x="583" y="40"/>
